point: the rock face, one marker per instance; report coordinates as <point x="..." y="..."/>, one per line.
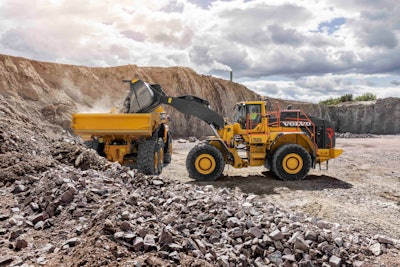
<point x="58" y="90"/>
<point x="376" y="117"/>
<point x="51" y="92"/>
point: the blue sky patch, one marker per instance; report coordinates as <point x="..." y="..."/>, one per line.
<point x="331" y="26"/>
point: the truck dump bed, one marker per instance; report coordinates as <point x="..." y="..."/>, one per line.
<point x="102" y="124"/>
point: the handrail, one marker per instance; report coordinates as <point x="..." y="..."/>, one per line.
<point x="309" y="126"/>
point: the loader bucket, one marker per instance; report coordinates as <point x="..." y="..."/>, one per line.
<point x="142" y="97"/>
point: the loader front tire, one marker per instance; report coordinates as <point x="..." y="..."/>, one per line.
<point x="149" y="157"/>
<point x="205" y="162"/>
<point x="268" y="162"/>
<point x="291" y="162"/>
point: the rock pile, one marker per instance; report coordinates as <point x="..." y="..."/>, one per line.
<point x="119" y="216"/>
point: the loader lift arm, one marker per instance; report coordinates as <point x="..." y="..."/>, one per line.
<point x="195" y="106"/>
<point x="187" y="104"/>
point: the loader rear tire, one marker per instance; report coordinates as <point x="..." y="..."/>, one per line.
<point x="205" y="162"/>
<point x="291" y="162"/>
<point x="149" y="157"/>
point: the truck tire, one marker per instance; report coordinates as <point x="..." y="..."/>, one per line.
<point x="161" y="153"/>
<point x="205" y="163"/>
<point x="291" y="162"/>
<point x="149" y="158"/>
<point x="168" y="150"/>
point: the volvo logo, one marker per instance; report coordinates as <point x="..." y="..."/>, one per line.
<point x="296" y="123"/>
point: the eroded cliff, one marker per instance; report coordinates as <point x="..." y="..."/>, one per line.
<point x="51" y="92"/>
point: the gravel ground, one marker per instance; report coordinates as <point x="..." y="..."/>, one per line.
<point x="360" y="190"/>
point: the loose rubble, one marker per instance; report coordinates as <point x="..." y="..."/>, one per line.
<point x="63" y="205"/>
<point x="351" y="135"/>
<point x="73" y="215"/>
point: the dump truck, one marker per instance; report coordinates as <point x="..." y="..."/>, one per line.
<point x="138" y="137"/>
<point x="287" y="142"/>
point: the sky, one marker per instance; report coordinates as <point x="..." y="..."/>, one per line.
<point x="306" y="50"/>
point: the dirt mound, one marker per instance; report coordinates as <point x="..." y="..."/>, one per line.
<point x="27" y="149"/>
<point x="13" y="166"/>
<point x="18" y="133"/>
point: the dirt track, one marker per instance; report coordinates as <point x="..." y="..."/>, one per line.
<point x="361" y="189"/>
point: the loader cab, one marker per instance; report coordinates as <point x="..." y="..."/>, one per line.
<point x="248" y="114"/>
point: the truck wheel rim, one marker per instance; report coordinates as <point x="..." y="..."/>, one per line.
<point x="292" y="163"/>
<point x="205" y="164"/>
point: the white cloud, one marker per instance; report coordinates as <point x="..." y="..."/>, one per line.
<point x="317" y="48"/>
<point x="318" y="88"/>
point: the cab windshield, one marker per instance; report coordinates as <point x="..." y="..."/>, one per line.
<point x="248" y="116"/>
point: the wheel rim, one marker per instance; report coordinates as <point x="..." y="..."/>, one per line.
<point x="292" y="163"/>
<point x="205" y="164"/>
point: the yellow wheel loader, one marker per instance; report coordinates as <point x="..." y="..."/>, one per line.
<point x="287" y="142"/>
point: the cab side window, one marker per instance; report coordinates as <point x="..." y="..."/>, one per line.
<point x="240" y="116"/>
<point x="254" y="115"/>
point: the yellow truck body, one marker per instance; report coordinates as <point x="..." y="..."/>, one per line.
<point x="88" y="125"/>
<point x="127" y="137"/>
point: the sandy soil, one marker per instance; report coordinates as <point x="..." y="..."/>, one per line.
<point x="360" y="190"/>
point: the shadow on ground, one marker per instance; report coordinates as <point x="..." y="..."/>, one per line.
<point x="269" y="184"/>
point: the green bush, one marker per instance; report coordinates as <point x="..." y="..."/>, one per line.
<point x="366" y="97"/>
<point x="348" y="98"/>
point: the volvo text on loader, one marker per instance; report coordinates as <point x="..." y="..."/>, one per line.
<point x="287" y="142"/>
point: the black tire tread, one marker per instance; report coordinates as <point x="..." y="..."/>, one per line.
<point x="201" y="149"/>
<point x="281" y="152"/>
<point x="145" y="157"/>
<point x="161" y="154"/>
<point x="167" y="153"/>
